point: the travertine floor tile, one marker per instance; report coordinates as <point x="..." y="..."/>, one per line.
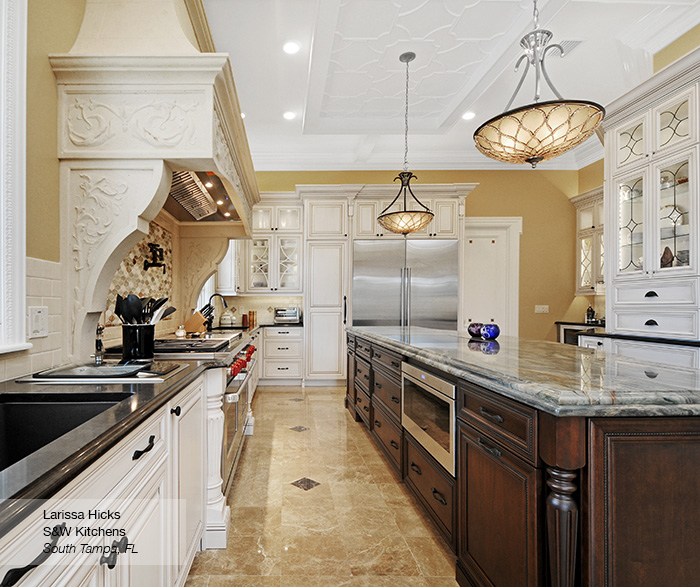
<point x="360" y="527"/>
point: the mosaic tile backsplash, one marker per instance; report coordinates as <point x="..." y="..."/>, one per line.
<point x="131" y="277"/>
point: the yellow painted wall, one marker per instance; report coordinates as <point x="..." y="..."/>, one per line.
<point x="682" y="45"/>
<point x="590" y="177"/>
<point x="541" y="198"/>
<point x="52" y="28"/>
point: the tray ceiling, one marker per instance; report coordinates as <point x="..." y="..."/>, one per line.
<point x="346" y="84"/>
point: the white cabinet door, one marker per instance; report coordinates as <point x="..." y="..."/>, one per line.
<point x="288" y="218"/>
<point x="446" y="221"/>
<point x="365" y="220"/>
<point x="287" y="263"/>
<point x="325" y="352"/>
<point x="227" y="272"/>
<point x="326" y="274"/>
<point x="262" y="218"/>
<point x="189" y="473"/>
<point x="259" y="264"/>
<point x="326" y="219"/>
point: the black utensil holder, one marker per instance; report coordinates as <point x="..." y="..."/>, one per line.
<point x="137" y="341"/>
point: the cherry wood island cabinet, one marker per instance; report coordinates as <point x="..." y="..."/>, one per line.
<point x="574" y="467"/>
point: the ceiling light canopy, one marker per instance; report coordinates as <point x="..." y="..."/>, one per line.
<point x="542" y="130"/>
<point x="404" y="220"/>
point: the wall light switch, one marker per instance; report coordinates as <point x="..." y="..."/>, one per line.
<point x="38" y="321"/>
<point x="541" y="309"/>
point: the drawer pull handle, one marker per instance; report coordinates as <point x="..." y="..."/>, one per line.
<point x="651" y="323"/>
<point x="283" y="368"/>
<point x="377" y="423"/>
<point x="395" y="364"/>
<point x="282" y="348"/>
<point x="366" y="376"/>
<point x="377" y="355"/>
<point x="359" y="399"/>
<point x="115" y="551"/>
<point x="394" y="444"/>
<point x="495" y="417"/>
<point x="139" y="453"/>
<point x="651" y="294"/>
<point x="438" y="496"/>
<point x="177" y="411"/>
<point x="378" y="385"/>
<point x="489" y="449"/>
<point x="285" y="332"/>
<point x="365" y="408"/>
<point x="415" y="468"/>
<point x="13" y="576"/>
<point x="395" y="399"/>
<point x="651" y="374"/>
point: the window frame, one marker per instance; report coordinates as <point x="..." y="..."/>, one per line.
<point x="13" y="260"/>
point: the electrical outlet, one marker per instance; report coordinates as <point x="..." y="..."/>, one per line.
<point x="541" y="309"/>
<point x="38" y="321"/>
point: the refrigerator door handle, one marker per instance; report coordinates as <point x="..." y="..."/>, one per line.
<point x="402" y="300"/>
<point x="345" y="309"/>
<point x="408" y="297"/>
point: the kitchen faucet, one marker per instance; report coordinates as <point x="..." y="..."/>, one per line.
<point x="210" y="317"/>
<point x="99" y="346"/>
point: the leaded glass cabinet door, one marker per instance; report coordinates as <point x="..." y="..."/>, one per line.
<point x="676" y="223"/>
<point x="630" y="223"/>
<point x="586" y="264"/>
<point x="288" y="265"/>
<point x="675" y="122"/>
<point x="631" y="142"/>
<point x="259" y="264"/>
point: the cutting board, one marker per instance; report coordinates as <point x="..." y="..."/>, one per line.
<point x="195" y="323"/>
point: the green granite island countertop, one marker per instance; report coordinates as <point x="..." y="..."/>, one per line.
<point x="559" y="379"/>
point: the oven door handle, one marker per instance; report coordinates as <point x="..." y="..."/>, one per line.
<point x="233" y="398"/>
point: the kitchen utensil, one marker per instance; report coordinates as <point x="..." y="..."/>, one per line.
<point x="118" y="308"/>
<point x="195" y="323"/>
<point x="132" y="309"/>
<point x="169" y="310"/>
<point x="157" y="315"/>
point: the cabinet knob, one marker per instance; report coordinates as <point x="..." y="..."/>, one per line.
<point x="177" y="411"/>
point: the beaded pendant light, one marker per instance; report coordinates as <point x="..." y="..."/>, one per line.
<point x="405" y="221"/>
<point x="542" y="130"/>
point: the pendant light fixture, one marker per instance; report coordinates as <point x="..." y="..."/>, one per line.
<point x="542" y="130"/>
<point x="405" y="221"/>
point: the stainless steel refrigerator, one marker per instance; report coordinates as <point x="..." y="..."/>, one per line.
<point x="404" y="281"/>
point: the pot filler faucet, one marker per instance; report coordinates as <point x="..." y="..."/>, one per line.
<point x="209" y="321"/>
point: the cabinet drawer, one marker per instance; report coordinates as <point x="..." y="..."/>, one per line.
<point x="651" y="352"/>
<point x="654" y="374"/>
<point x="514" y="424"/>
<point x="283" y="348"/>
<point x="364" y="349"/>
<point x="362" y="405"/>
<point x="662" y="324"/>
<point x="433" y="486"/>
<point x="388" y="434"/>
<point x="390" y="362"/>
<point x="671" y="292"/>
<point x="284" y="332"/>
<point x="362" y="374"/>
<point x="389" y="392"/>
<point x="282" y="369"/>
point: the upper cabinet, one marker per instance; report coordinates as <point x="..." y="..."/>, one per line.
<point x="590" y="242"/>
<point x="277" y="217"/>
<point x="274" y="264"/>
<point x="228" y="281"/>
<point x="651" y="206"/>
<point x="445" y="224"/>
<point x="326" y="218"/>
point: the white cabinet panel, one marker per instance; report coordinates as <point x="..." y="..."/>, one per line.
<point x="227" y="272"/>
<point x="657" y="293"/>
<point x="662" y="324"/>
<point x="326" y="274"/>
<point x="276" y="349"/>
<point x="651" y="352"/>
<point x="327" y="219"/>
<point x="325" y="353"/>
<point x="365" y="220"/>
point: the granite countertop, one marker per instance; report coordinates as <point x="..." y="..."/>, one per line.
<point x="559" y="379"/>
<point x="42" y="473"/>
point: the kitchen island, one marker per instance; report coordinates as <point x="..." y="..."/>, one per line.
<point x="573" y="466"/>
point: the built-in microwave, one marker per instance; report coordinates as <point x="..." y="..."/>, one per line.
<point x="428" y="413"/>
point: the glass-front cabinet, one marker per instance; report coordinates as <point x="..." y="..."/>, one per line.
<point x="630" y="225"/>
<point x="590" y="242"/>
<point x="274" y="264"/>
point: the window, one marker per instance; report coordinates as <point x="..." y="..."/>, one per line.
<point x="207" y="291"/>
<point x="13" y="69"/>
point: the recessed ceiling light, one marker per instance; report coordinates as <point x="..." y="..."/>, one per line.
<point x="242" y="114"/>
<point x="291" y="47"/>
<point x="219" y="202"/>
<point x="468" y="115"/>
<point x="290" y="115"/>
<point x="209" y="185"/>
<point x="227" y="214"/>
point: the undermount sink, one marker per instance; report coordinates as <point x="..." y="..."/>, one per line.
<point x="30" y="421"/>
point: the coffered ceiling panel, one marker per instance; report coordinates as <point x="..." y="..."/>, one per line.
<point x="346" y="84"/>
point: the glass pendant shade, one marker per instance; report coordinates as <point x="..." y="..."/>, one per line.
<point x="539" y="131"/>
<point x="405" y="221"/>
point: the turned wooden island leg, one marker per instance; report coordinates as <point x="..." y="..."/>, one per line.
<point x="562" y="526"/>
